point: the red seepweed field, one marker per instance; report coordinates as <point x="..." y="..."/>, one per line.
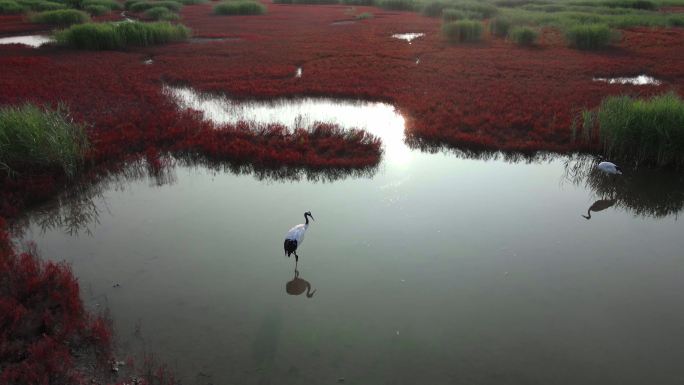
<point x="491" y="95"/>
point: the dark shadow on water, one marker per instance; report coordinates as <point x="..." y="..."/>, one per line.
<point x="599" y="205"/>
<point x="475" y="153"/>
<point x="277" y="173"/>
<point x="645" y="192"/>
<point x="299" y="286"/>
<point x="76" y="210"/>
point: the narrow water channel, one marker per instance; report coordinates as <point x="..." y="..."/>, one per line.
<point x="438" y="269"/>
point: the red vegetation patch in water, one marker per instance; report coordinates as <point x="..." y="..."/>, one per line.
<point x="42" y="320"/>
<point x="46" y="335"/>
<point x="491" y="95"/>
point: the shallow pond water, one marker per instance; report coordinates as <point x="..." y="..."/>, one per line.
<point x="34" y="41"/>
<point x="409" y="37"/>
<point x="440" y="268"/>
<point x="640" y="80"/>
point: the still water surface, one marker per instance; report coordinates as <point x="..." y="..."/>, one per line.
<point x="436" y="269"/>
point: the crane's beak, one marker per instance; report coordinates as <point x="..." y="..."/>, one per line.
<point x="312" y="218"/>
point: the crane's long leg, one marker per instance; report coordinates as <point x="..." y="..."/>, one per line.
<point x="296" y="257"/>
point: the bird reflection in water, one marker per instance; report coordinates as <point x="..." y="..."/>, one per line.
<point x="298" y="286"/>
<point x="599" y="205"/>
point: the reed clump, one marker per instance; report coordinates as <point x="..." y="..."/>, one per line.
<point x="40" y="5"/>
<point x="37" y="138"/>
<point x="450" y="14"/>
<point x="590" y="36"/>
<point x="61" y="17"/>
<point x="110" y="4"/>
<point x="434" y="8"/>
<point x="398" y="5"/>
<point x="145" y="5"/>
<point x="113" y="36"/>
<point x="8" y="7"/>
<point x="525" y="36"/>
<point x="240" y="8"/>
<point x="462" y="31"/>
<point x="643" y="130"/>
<point x="96" y="10"/>
<point x="160" y="14"/>
<point x="500" y="26"/>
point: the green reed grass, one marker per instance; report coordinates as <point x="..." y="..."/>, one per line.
<point x="462" y="31"/>
<point x="500" y="25"/>
<point x="143" y="6"/>
<point x="160" y="13"/>
<point x="113" y="36"/>
<point x="111" y="4"/>
<point x="399" y="5"/>
<point x="96" y="10"/>
<point x="8" y="7"/>
<point x="32" y="138"/>
<point x="434" y="8"/>
<point x="590" y="36"/>
<point x="41" y="5"/>
<point x="451" y="14"/>
<point x="239" y="8"/>
<point x="523" y="35"/>
<point x="62" y="17"/>
<point x="643" y="130"/>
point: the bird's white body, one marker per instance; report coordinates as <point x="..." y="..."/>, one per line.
<point x="295" y="236"/>
<point x="609" y="168"/>
<point x="297" y="233"/>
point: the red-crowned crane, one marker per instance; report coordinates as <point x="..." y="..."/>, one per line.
<point x="295" y="237"/>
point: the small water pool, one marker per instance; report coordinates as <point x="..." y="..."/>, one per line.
<point x="34" y="41"/>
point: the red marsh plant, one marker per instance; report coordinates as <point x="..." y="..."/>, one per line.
<point x="490" y="96"/>
<point x="42" y="319"/>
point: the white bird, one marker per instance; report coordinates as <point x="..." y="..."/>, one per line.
<point x="295" y="236"/>
<point x="609" y="168"/>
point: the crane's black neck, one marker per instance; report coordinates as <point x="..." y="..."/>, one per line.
<point x="306" y="217"/>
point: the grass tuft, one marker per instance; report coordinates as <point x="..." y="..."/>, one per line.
<point x="160" y="13"/>
<point x="33" y="137"/>
<point x="524" y="35"/>
<point x="112" y="36"/>
<point x="398" y="5"/>
<point x="62" y="17"/>
<point x="644" y="130"/>
<point x="239" y="8"/>
<point x="364" y="16"/>
<point x="110" y="4"/>
<point x="96" y="10"/>
<point x="143" y="6"/>
<point x="500" y="25"/>
<point x="9" y="7"/>
<point x="41" y="5"/>
<point x="434" y="8"/>
<point x="358" y="2"/>
<point x="589" y="36"/>
<point x="462" y="31"/>
<point x="451" y="14"/>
